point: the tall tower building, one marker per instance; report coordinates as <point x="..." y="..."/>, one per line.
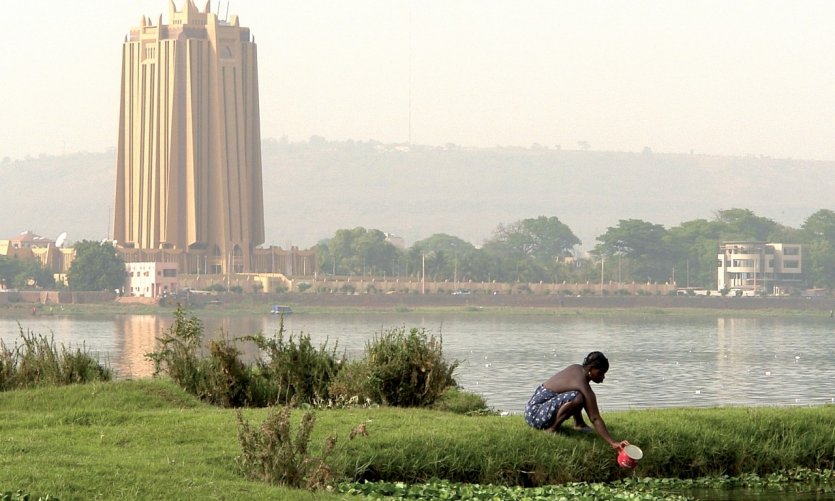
<point x="188" y="173"/>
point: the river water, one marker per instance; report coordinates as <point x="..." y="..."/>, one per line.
<point x="655" y="362"/>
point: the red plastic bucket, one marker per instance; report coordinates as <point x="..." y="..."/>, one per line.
<point x="629" y="456"/>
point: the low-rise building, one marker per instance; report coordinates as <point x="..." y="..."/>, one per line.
<point x="749" y="268"/>
<point x="151" y="279"/>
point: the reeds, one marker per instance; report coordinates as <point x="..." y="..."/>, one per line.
<point x="39" y="361"/>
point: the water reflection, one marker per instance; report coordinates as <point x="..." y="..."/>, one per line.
<point x="135" y="335"/>
<point x="655" y="362"/>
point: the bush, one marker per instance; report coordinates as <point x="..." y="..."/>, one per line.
<point x="407" y="369"/>
<point x="303" y="286"/>
<point x="228" y="378"/>
<point x="296" y="370"/>
<point x="179" y="352"/>
<point x="455" y="400"/>
<point x="221" y="379"/>
<point x="39" y="361"/>
<point x="271" y="453"/>
<point x="351" y="385"/>
<point x="401" y="368"/>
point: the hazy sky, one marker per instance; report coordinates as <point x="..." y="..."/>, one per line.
<point x="716" y="77"/>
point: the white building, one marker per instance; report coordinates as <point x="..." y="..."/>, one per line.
<point x="152" y="280"/>
<point x="756" y="268"/>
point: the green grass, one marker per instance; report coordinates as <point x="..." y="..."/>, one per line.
<point x="126" y="440"/>
<point x="148" y="439"/>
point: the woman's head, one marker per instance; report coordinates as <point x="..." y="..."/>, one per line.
<point x="596" y="360"/>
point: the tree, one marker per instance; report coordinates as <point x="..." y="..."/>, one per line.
<point x="695" y="245"/>
<point x="531" y="249"/>
<point x="96" y="267"/>
<point x="743" y="224"/>
<point x="358" y="252"/>
<point x="24" y="273"/>
<point x="820" y="226"/>
<point x="643" y="244"/>
<point x="819" y="249"/>
<point x="446" y="258"/>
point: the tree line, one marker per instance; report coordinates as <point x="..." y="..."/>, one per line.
<point x="530" y="250"/>
<point x="544" y="249"/>
<point x="96" y="267"/>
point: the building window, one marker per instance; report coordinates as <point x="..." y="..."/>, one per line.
<point x="791" y="251"/>
<point x="169" y="272"/>
<point x="791" y="263"/>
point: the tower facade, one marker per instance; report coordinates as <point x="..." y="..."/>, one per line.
<point x="188" y="172"/>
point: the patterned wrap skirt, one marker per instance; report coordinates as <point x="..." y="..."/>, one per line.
<point x="541" y="410"/>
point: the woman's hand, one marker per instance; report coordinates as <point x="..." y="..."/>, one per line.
<point x="619" y="445"/>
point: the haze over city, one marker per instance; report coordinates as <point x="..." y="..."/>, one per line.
<point x="740" y="78"/>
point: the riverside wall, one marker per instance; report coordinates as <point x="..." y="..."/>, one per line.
<point x="56" y="297"/>
<point x="399" y="301"/>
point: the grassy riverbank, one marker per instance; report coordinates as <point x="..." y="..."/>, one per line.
<point x="147" y="439"/>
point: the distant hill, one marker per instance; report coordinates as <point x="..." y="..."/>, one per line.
<point x="313" y="188"/>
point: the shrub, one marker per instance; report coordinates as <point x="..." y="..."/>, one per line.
<point x="455" y="400"/>
<point x="39" y="361"/>
<point x="303" y="286"/>
<point x="351" y="385"/>
<point x="296" y="370"/>
<point x="272" y="454"/>
<point x="407" y="369"/>
<point x="217" y="288"/>
<point x="179" y="353"/>
<point x="228" y="378"/>
<point x="220" y="379"/>
<point x="280" y="289"/>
